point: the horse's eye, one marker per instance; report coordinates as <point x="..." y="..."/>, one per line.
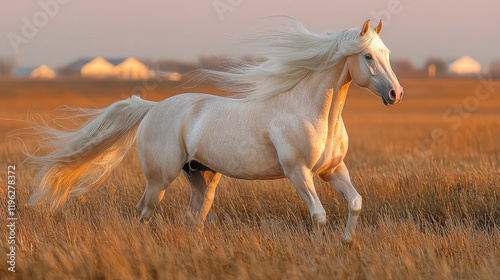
<point x="368" y="56"/>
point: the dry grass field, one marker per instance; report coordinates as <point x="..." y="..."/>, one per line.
<point x="427" y="169"/>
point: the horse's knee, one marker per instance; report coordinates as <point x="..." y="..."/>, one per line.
<point x="355" y="205"/>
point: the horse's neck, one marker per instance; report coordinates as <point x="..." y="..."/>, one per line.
<point x="323" y="94"/>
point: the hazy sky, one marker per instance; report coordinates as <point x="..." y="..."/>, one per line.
<point x="185" y="30"/>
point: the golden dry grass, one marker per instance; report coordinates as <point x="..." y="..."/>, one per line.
<point x="431" y="208"/>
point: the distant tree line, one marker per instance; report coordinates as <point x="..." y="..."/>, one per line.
<point x="495" y="69"/>
<point x="402" y="67"/>
<point x="7" y="66"/>
<point x="175" y="66"/>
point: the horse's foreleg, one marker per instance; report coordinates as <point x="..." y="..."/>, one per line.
<point x="302" y="179"/>
<point x="340" y="181"/>
<point x="203" y="184"/>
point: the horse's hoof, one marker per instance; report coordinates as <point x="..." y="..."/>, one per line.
<point x="144" y="221"/>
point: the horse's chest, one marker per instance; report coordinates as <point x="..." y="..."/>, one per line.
<point x="334" y="150"/>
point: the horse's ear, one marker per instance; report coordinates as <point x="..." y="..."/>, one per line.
<point x="379" y="27"/>
<point x="366" y="27"/>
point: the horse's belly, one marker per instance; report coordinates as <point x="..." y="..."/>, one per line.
<point x="242" y="161"/>
<point x="252" y="170"/>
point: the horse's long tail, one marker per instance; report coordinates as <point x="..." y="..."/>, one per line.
<point x="81" y="159"/>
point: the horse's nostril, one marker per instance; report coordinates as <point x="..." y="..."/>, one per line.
<point x="392" y="94"/>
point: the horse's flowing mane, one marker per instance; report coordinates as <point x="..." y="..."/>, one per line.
<point x="291" y="55"/>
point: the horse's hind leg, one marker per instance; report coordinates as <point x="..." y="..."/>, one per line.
<point x="203" y="182"/>
<point x="159" y="177"/>
<point x="150" y="199"/>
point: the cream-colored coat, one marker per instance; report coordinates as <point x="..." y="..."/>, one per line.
<point x="298" y="133"/>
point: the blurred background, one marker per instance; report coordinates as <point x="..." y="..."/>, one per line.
<point x="59" y="38"/>
<point x="428" y="169"/>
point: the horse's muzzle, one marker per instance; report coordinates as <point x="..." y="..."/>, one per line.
<point x="392" y="97"/>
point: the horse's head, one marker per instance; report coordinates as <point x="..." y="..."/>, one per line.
<point x="371" y="67"/>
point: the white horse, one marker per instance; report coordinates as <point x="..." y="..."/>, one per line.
<point x="286" y="122"/>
